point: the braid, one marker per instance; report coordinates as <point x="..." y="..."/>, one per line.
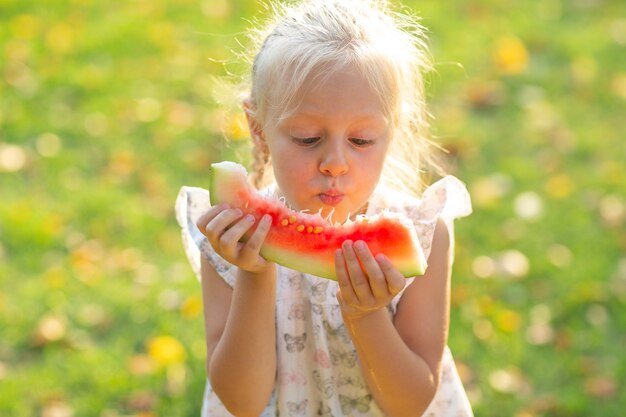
<point x="260" y="165"/>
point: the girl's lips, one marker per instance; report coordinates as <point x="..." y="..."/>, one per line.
<point x="331" y="199"/>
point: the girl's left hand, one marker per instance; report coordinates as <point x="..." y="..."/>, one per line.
<point x="366" y="283"/>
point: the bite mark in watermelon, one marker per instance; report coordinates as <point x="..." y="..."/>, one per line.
<point x="307" y="242"/>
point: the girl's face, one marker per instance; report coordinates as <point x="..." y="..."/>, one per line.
<point x="329" y="153"/>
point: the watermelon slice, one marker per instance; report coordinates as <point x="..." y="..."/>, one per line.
<point x="307" y="242"/>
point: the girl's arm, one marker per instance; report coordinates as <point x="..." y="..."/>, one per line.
<point x="401" y="357"/>
<point x="239" y="321"/>
<point x="240" y="338"/>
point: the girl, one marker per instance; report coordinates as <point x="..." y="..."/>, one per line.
<point x="337" y="119"/>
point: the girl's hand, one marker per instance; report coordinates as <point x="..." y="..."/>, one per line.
<point x="224" y="227"/>
<point x="366" y="283"/>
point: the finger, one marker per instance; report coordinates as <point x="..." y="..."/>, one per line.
<point x="395" y="280"/>
<point x="375" y="275"/>
<point x="229" y="240"/>
<point x="358" y="279"/>
<point x="345" y="287"/>
<point x="250" y="250"/>
<point x="205" y="218"/>
<point x="216" y="227"/>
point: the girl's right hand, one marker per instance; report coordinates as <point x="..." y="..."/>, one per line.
<point x="225" y="226"/>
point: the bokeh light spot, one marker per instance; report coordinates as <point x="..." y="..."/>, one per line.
<point x="12" y="157"/>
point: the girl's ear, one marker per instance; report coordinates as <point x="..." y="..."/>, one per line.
<point x="256" y="130"/>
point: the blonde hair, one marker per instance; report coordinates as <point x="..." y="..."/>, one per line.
<point x="389" y="48"/>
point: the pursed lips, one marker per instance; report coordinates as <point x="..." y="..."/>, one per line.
<point x="331" y="197"/>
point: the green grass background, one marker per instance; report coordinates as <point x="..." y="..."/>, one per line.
<point x="107" y="108"/>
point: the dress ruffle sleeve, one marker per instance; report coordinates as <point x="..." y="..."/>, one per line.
<point x="191" y="203"/>
<point x="446" y="199"/>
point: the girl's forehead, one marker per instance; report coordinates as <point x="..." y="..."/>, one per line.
<point x="340" y="92"/>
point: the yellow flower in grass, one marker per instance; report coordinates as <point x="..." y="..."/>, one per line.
<point x="235" y="126"/>
<point x="191" y="307"/>
<point x="26" y="26"/>
<point x="61" y="37"/>
<point x="560" y="186"/>
<point x="166" y="350"/>
<point x="510" y="55"/>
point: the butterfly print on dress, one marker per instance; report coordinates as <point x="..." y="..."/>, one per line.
<point x="325" y="385"/>
<point x="348" y="358"/>
<point x="296" y="312"/>
<point x="297" y="409"/>
<point x="318" y="290"/>
<point x="293" y="280"/>
<point x="292" y="378"/>
<point x="294" y="343"/>
<point x="352" y="381"/>
<point x="321" y="358"/>
<point x="317" y="309"/>
<point x="361" y="404"/>
<point x="339" y="332"/>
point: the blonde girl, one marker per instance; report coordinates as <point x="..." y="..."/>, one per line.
<point x="337" y="117"/>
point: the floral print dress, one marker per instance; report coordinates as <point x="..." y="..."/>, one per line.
<point x="318" y="372"/>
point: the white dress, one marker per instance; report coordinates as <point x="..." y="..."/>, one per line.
<point x="318" y="373"/>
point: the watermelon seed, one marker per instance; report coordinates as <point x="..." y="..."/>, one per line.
<point x="318" y="230"/>
<point x="309" y="229"/>
<point x="300" y="228"/>
<point x="284" y="222"/>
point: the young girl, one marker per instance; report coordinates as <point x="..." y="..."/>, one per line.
<point x="337" y="117"/>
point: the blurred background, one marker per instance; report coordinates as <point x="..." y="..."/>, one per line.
<point x="108" y="108"/>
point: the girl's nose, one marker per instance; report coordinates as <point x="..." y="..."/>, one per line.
<point x="334" y="162"/>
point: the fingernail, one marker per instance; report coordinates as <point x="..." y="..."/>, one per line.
<point x="360" y="244"/>
<point x="267" y="218"/>
<point x="238" y="212"/>
<point x="250" y="218"/>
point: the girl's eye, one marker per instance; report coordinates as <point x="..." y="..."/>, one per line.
<point x="306" y="141"/>
<point x="361" y="142"/>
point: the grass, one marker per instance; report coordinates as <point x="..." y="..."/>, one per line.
<point x="107" y="109"/>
